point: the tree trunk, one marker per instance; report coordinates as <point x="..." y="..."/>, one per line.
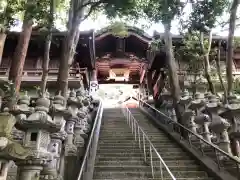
<point x="69" y="48"/>
<point x="45" y="63"/>
<point x="149" y="82"/>
<point x="206" y="60"/>
<point x="46" y="58"/>
<point x="67" y="58"/>
<point x="20" y="53"/>
<point x="194" y="87"/>
<point x="219" y="72"/>
<point x="2" y="43"/>
<point x="229" y="64"/>
<point x="173" y="75"/>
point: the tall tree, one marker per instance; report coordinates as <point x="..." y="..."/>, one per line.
<point x="219" y="73"/>
<point x="33" y="11"/>
<point x="8" y="9"/>
<point x="164" y="11"/>
<point x="190" y="53"/>
<point x="203" y="19"/>
<point x="232" y="25"/>
<point x="78" y="12"/>
<point x="46" y="58"/>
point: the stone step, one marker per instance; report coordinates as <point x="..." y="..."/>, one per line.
<point x="123" y="138"/>
<point x="156" y="132"/>
<point x="135" y="149"/>
<point x="141" y="161"/>
<point x="128" y="145"/>
<point x="134" y="174"/>
<point x="144" y="168"/>
<point x="127" y="142"/>
<point x="198" y="178"/>
<point x="120" y="134"/>
<point x="177" y="165"/>
<point x="125" y="131"/>
<point x="132" y="139"/>
<point x="137" y="152"/>
<point x="120" y="157"/>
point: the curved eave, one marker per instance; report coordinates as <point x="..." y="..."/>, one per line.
<point x="62" y="34"/>
<point x="180" y="37"/>
<point x="142" y="38"/>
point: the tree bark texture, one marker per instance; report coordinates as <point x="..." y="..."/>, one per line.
<point x="67" y="58"/>
<point x="207" y="68"/>
<point x="2" y="43"/>
<point x="172" y="71"/>
<point x="149" y="82"/>
<point x="20" y="53"/>
<point x="45" y="63"/>
<point x="219" y="72"/>
<point x="70" y="43"/>
<point x="229" y="64"/>
<point x="46" y="59"/>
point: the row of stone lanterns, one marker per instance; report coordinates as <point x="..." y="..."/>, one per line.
<point x="207" y="116"/>
<point x="35" y="142"/>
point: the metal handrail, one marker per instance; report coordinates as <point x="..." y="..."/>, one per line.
<point x="87" y="167"/>
<point x="192" y="138"/>
<point x="141" y="136"/>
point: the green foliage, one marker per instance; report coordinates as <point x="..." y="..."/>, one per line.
<point x="113" y="8"/>
<point x="36" y="10"/>
<point x="205" y="13"/>
<point x="190" y="52"/>
<point x="236" y="85"/>
<point x="157" y="44"/>
<point x="8" y="10"/>
<point x="119" y="29"/>
<point x="162" y="10"/>
<point x="236" y="42"/>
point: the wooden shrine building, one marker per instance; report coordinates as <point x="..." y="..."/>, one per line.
<point x="108" y="57"/>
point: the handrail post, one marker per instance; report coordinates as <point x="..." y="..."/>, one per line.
<point x="87" y="167"/>
<point x="147" y="145"/>
<point x="190" y="134"/>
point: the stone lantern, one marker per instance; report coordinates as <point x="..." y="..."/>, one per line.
<point x="21" y="111"/>
<point x="185" y="100"/>
<point x="82" y="127"/>
<point x="204" y="120"/>
<point x="83" y="113"/>
<point x="80" y="123"/>
<point x="167" y="98"/>
<point x="58" y="111"/>
<point x="73" y="105"/>
<point x="86" y="102"/>
<point x="207" y="95"/>
<point x="218" y="124"/>
<point x="188" y="116"/>
<point x="232" y="113"/>
<point x="9" y="149"/>
<point x="197" y="104"/>
<point x="37" y="127"/>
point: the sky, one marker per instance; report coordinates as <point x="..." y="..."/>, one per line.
<point x="101" y="21"/>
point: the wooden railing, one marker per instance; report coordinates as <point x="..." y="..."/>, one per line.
<point x="38" y="72"/>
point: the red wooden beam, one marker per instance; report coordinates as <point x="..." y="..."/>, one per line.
<point x="156" y="86"/>
<point x="142" y="76"/>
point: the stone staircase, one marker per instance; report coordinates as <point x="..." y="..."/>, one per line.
<point x="119" y="157"/>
